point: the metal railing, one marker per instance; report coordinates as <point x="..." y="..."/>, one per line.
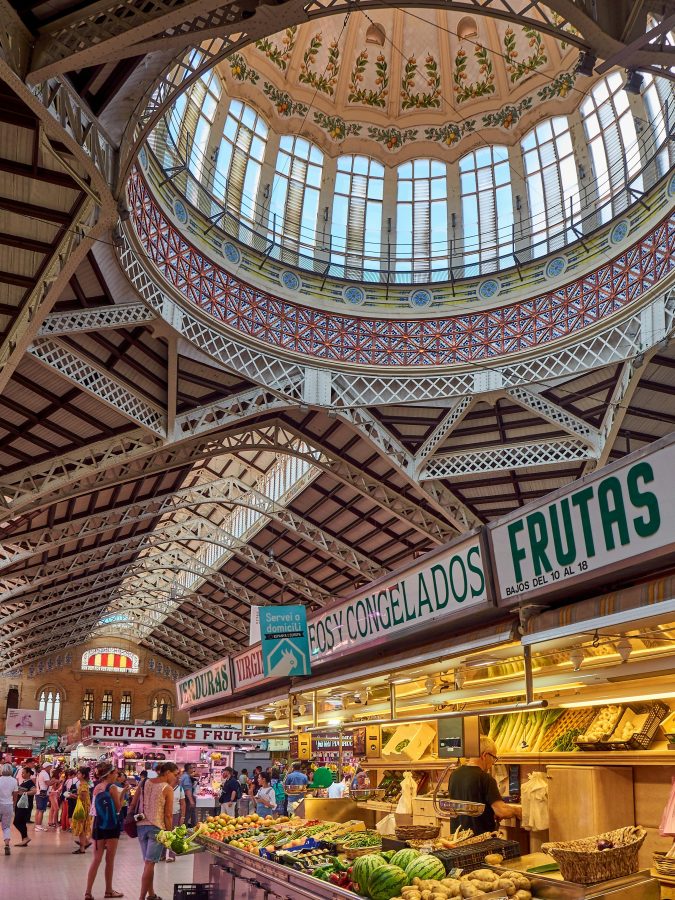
<point x="392" y="261"/>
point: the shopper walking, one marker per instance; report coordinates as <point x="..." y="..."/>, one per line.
<point x="107" y="802"/>
<point x="81" y="827"/>
<point x="8" y="788"/>
<point x="42" y="799"/>
<point x="24" y="805"/>
<point x="156" y="805"/>
<point x="187" y="783"/>
<point x="122" y="783"/>
<point x="68" y="798"/>
<point x="54" y="795"/>
<point x="230" y="790"/>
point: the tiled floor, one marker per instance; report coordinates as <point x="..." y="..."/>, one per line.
<point x="46" y="870"/>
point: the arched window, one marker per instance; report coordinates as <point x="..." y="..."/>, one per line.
<point x="109" y="659"/>
<point x="655" y="99"/>
<point x="421" y="217"/>
<point x="294" y="204"/>
<point x="239" y="160"/>
<point x="162" y="708"/>
<point x="552" y="185"/>
<point x="107" y="707"/>
<point x="487" y="209"/>
<point x="356" y="226"/>
<point x="49" y="702"/>
<point x="88" y="706"/>
<point x="612" y="140"/>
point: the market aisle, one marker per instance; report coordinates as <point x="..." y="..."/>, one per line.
<point x="46" y="870"/>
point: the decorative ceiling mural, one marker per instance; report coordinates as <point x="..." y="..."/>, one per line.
<point x="402" y="75"/>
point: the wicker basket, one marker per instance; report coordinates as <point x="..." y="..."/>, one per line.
<point x="417" y="832"/>
<point x="354" y="852"/>
<point x="581" y="862"/>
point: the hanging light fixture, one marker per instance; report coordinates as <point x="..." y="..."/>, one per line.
<point x="633" y="81"/>
<point x="586" y="64"/>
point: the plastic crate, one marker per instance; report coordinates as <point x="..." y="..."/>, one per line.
<point x="602" y="743"/>
<point x="194" y="891"/>
<point x="641" y="740"/>
<point x="473" y="855"/>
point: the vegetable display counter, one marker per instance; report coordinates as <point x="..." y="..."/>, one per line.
<point x="238" y="875"/>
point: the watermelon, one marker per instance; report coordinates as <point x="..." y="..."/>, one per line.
<point x="386" y="882"/>
<point x="387" y="854"/>
<point x="425" y="867"/>
<point x="363" y="868"/>
<point x="403" y="858"/>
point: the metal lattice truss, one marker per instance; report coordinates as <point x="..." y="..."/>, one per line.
<point x="114" y="30"/>
<point x="98" y="383"/>
<point x="224" y="492"/>
<point x="516" y="456"/>
<point x="96" y="319"/>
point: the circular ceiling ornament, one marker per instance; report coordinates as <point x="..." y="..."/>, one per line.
<point x="488" y="289"/>
<point x="180" y="211"/>
<point x="619" y="232"/>
<point x="289" y="280"/>
<point x="420" y="298"/>
<point x="555" y="267"/>
<point x="231" y="253"/>
<point x="354" y="295"/>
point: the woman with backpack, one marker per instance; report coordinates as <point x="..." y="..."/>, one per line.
<point x="107" y="802"/>
<point x="279" y="794"/>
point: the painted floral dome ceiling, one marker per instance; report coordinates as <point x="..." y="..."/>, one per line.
<point x="399" y="76"/>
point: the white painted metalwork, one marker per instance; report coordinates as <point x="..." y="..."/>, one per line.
<point x="96" y="319"/>
<point x="98" y="383"/>
<point x="514" y="456"/>
<point x="452" y="418"/>
<point x="531" y="399"/>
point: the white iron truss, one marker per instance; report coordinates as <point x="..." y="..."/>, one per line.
<point x="514" y="456"/>
<point x="99" y="384"/>
<point x="96" y="319"/>
<point x="224" y="492"/>
<point x="556" y="415"/>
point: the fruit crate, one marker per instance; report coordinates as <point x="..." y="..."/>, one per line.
<point x="641" y="740"/>
<point x="473" y="855"/>
<point x="668" y="726"/>
<point x="602" y="742"/>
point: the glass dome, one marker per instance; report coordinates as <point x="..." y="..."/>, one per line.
<point x="491" y="152"/>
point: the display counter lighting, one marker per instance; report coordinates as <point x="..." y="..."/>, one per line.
<point x="502" y="709"/>
<point x="636" y="698"/>
<point x="256" y="717"/>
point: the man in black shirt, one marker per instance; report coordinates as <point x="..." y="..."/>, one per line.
<point x="472" y="781"/>
<point x="230" y="791"/>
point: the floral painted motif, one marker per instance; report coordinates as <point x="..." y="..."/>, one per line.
<point x="363" y="95"/>
<point x="285" y="106"/>
<point x="450" y="133"/>
<point x="325" y="81"/>
<point x="335" y="126"/>
<point x="507" y="115"/>
<point x="422" y="100"/>
<point x="392" y="138"/>
<point x="279" y="56"/>
<point x="483" y="87"/>
<point x="241" y="70"/>
<point x="519" y="69"/>
<point x="559" y="87"/>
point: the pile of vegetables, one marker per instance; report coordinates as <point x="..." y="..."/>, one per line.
<point x="180" y="841"/>
<point x="522" y="731"/>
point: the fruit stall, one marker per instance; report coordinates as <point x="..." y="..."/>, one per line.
<point x="290" y="857"/>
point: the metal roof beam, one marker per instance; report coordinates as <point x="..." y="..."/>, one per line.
<point x="96" y="319"/>
<point x="99" y="384"/>
<point x="513" y="456"/>
<point x="531" y="399"/>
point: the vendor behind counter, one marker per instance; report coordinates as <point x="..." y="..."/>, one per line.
<point x="473" y="781"/>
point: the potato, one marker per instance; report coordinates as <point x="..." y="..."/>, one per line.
<point x="507" y="885"/>
<point x="523" y="895"/>
<point x="493" y="859"/>
<point x="426" y="894"/>
<point x="522" y="882"/>
<point x="470" y="890"/>
<point x="484" y="875"/>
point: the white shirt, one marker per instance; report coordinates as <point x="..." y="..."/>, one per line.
<point x="43" y="779"/>
<point x="178" y="795"/>
<point x="8" y="784"/>
<point x="336" y="791"/>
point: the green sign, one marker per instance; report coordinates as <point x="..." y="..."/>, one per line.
<point x="52" y="741"/>
<point x="284" y="643"/>
<point x="606" y="522"/>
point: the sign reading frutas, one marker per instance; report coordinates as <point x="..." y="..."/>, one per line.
<point x="192" y="734"/>
<point x="210" y="683"/>
<point x="608" y="522"/>
<point x="283" y="635"/>
<point x="438" y="588"/>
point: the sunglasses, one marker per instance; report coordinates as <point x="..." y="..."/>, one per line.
<point x="495" y="758"/>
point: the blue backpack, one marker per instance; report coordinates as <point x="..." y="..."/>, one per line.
<point x="107" y="817"/>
